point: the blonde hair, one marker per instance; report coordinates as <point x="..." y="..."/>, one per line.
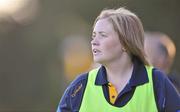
<point x="129" y="29"/>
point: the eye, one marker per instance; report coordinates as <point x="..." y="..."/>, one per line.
<point x="103" y="35"/>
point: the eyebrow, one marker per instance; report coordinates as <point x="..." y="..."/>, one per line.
<point x="101" y="32"/>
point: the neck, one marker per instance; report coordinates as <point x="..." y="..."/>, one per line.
<point x="119" y="67"/>
<point x="119" y="72"/>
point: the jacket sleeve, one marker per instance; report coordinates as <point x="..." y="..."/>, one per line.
<point x="172" y="97"/>
<point x="167" y="97"/>
<point x="72" y="97"/>
<point x="64" y="105"/>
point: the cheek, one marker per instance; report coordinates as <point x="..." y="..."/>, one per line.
<point x="112" y="45"/>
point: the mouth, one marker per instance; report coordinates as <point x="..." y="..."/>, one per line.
<point x="96" y="51"/>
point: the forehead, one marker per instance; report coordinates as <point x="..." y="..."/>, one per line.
<point x="103" y="25"/>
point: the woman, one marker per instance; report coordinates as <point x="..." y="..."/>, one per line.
<point x="125" y="82"/>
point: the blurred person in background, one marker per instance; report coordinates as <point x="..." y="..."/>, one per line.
<point x="161" y="52"/>
<point x="124" y="80"/>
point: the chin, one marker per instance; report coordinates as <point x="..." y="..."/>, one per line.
<point x="98" y="60"/>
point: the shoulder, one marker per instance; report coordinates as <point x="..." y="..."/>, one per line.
<point x="158" y="74"/>
<point x="73" y="94"/>
<point x="161" y="80"/>
<point x="174" y="77"/>
<point x="166" y="95"/>
<point x="79" y="79"/>
<point x="78" y="84"/>
<point x="159" y="77"/>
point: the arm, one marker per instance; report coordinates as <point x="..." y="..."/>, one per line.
<point x="72" y="97"/>
<point x="167" y="98"/>
<point x="172" y="98"/>
<point x="64" y="105"/>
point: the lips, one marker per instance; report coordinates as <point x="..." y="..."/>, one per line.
<point x="96" y="51"/>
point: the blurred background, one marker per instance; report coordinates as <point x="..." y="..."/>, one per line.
<point x="45" y="44"/>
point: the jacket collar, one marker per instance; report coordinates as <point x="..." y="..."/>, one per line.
<point x="139" y="75"/>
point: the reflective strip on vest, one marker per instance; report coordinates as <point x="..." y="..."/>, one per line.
<point x="143" y="99"/>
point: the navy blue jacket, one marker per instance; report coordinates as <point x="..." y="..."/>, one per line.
<point x="166" y="96"/>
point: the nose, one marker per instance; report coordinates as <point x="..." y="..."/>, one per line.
<point x="94" y="42"/>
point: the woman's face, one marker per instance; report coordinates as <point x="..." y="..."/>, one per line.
<point x="106" y="46"/>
